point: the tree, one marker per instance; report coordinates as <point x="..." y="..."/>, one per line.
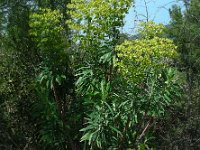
<point x="18" y="58"/>
<point x="183" y="119"/>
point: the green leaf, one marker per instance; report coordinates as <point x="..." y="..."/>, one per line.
<point x="59" y="79"/>
<point x="115" y="129"/>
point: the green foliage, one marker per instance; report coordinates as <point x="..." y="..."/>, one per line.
<point x="119" y="121"/>
<point x="98" y="16"/>
<point x="150" y="52"/>
<point x="96" y="26"/>
<point x="47" y="79"/>
<point x="180" y="128"/>
<point x="122" y="115"/>
<point x="17" y="61"/>
<point x="182" y="25"/>
<point x="50" y="128"/>
<point x="149" y="30"/>
<point x="47" y="32"/>
<point x="71" y="80"/>
<point x="54" y="82"/>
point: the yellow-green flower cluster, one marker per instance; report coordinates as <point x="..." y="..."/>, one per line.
<point x="95" y="18"/>
<point x="150" y="29"/>
<point x="46" y="28"/>
<point x="137" y="56"/>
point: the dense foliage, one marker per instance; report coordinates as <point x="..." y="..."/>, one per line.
<point x="70" y="79"/>
<point x="183" y="124"/>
